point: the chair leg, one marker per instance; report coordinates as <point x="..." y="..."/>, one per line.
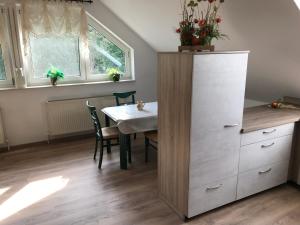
<point x="96" y="149"/>
<point x="101" y="156"/>
<point x="134" y="136"/>
<point x="129" y="149"/>
<point x="108" y="146"/>
<point x="146" y="149"/>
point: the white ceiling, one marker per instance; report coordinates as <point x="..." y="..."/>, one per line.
<point x="270" y="29"/>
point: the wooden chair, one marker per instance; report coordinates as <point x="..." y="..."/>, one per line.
<point x="125" y="95"/>
<point x="105" y="134"/>
<point x="150" y="137"/>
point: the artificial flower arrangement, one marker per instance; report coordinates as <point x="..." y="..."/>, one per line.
<point x="54" y="74"/>
<point x="114" y="74"/>
<point x="200" y="22"/>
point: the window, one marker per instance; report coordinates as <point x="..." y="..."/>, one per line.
<point x="61" y="52"/>
<point x="79" y="63"/>
<point x="5" y="50"/>
<point x="107" y="52"/>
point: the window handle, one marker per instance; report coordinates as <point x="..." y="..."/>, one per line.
<point x="19" y="72"/>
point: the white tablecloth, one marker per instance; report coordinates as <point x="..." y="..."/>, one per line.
<point x="130" y="120"/>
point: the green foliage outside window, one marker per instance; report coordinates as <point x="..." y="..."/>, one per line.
<point x="104" y="54"/>
<point x="2" y="67"/>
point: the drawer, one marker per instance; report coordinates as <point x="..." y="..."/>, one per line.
<point x="261" y="179"/>
<point x="202" y="173"/>
<point x="266" y="134"/>
<point x="211" y="196"/>
<point x="265" y="153"/>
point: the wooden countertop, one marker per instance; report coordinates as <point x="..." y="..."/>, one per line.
<point x="262" y="117"/>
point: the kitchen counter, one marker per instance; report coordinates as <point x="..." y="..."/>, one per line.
<point x="262" y="117"/>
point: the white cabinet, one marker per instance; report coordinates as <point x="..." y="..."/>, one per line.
<point x="201" y="102"/>
<point x="217" y="114"/>
<point x="265" y="163"/>
<point x="204" y="161"/>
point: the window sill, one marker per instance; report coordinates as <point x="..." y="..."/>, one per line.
<point x="66" y="85"/>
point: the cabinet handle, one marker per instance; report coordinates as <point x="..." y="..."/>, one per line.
<point x="266" y="171"/>
<point x="269" y="132"/>
<point x="214" y="188"/>
<point x="231" y="125"/>
<point x="268" y="146"/>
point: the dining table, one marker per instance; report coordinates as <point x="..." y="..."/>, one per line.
<point x="131" y="120"/>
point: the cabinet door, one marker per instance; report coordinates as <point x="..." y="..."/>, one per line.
<point x="217" y="112"/>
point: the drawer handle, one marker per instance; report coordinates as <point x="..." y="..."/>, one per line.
<point x="231" y="125"/>
<point x="269" y="132"/>
<point x="268" y="146"/>
<point x="214" y="188"/>
<point x="266" y="171"/>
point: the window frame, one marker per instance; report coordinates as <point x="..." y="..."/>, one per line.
<point x="27" y="66"/>
<point x="7" y="49"/>
<point x="85" y="76"/>
<point x="74" y="78"/>
<point x="129" y="52"/>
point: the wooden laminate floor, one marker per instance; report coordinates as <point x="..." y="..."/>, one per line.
<point x="59" y="184"/>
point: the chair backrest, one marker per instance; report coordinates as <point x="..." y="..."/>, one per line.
<point x="97" y="125"/>
<point x="125" y="96"/>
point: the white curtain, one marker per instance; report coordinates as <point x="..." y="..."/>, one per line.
<point x="60" y="18"/>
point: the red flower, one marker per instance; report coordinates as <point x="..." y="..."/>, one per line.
<point x="196" y="21"/>
<point x="218" y="20"/>
<point x="211" y="1"/>
<point x="178" y="30"/>
<point x="202" y="23"/>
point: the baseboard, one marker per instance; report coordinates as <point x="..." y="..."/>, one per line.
<point x="56" y="139"/>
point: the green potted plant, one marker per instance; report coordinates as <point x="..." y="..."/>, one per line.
<point x="114" y="74"/>
<point x="54" y="74"/>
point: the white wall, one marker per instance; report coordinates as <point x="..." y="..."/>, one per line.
<point x="24" y="111"/>
<point x="270" y="29"/>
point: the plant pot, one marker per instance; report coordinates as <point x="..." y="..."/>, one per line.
<point x="196" y="48"/>
<point x="186" y="38"/>
<point x="115" y="77"/>
<point x="196" y="41"/>
<point x="53" y="81"/>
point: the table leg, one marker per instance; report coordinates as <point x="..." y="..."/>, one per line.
<point x="124" y="143"/>
<point x="107" y="124"/>
<point x="107" y="121"/>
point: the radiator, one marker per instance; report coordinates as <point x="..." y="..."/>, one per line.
<point x="71" y="116"/>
